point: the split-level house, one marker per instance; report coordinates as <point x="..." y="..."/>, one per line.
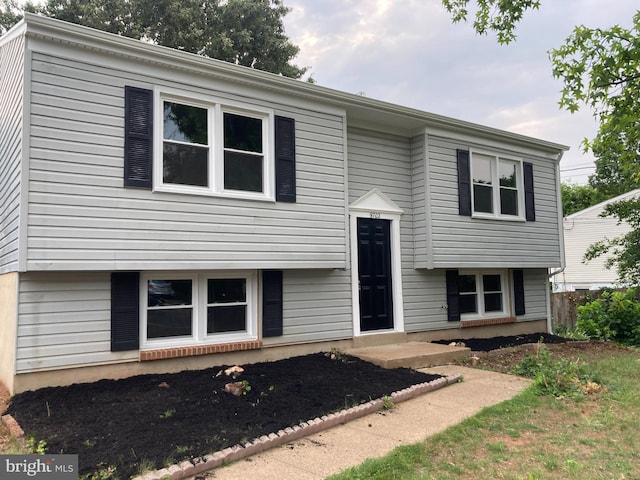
<point x="162" y="211"/>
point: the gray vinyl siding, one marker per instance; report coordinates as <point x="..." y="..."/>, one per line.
<point x="465" y="242"/>
<point x="316" y="307"/>
<point x="400" y="163"/>
<point x="536" y="287"/>
<point x="419" y="187"/>
<point x="11" y="117"/>
<point x="64" y="317"/>
<point x="383" y="161"/>
<point x="426" y="299"/>
<point x="81" y="217"/>
<point x="64" y="321"/>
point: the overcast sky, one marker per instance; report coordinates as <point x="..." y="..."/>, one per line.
<point x="408" y="52"/>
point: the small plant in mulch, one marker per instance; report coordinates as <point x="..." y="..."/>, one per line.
<point x="168" y="413"/>
<point x="337" y="355"/>
<point x="239" y="388"/>
<point x="387" y="404"/>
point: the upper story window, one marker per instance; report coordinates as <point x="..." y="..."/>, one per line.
<point x="243" y="153"/>
<point x="185" y="145"/>
<point x="213" y="148"/>
<point x="498" y="187"/>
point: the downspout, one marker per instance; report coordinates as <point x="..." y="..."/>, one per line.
<point x="560" y="241"/>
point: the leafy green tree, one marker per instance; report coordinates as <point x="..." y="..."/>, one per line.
<point x="578" y="197"/>
<point x="600" y="69"/>
<point x="11" y="12"/>
<point x="498" y="16"/>
<point x="245" y="32"/>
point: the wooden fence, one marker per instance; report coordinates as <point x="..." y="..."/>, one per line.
<point x="564" y="306"/>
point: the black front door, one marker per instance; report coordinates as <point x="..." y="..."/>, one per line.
<point x="374" y="269"/>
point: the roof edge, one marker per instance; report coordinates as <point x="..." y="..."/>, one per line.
<point x="624" y="196"/>
<point x="34" y="24"/>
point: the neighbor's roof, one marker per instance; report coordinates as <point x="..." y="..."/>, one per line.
<point x="358" y="107"/>
<point x="601" y="205"/>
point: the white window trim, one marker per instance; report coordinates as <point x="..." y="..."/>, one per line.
<point x="199" y="334"/>
<point x="216" y="107"/>
<point x="505" y="290"/>
<point x="495" y="187"/>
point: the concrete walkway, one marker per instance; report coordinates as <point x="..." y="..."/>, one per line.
<point x="331" y="451"/>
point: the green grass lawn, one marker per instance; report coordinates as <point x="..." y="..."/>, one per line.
<point x="534" y="436"/>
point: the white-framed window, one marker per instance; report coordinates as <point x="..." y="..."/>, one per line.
<point x="210" y="147"/>
<point x="483" y="294"/>
<point x="497" y="186"/>
<point x="191" y="309"/>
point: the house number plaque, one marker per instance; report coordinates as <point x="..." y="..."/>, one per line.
<point x="375" y="215"/>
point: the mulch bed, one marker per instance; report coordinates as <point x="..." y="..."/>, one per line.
<point x="494" y="343"/>
<point x="152" y="421"/>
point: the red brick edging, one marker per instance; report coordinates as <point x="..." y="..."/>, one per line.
<point x="189" y="468"/>
<point x="13" y="427"/>
<point x="178" y="352"/>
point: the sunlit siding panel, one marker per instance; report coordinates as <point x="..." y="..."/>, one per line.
<point x="81" y="217"/>
<point x="11" y="118"/>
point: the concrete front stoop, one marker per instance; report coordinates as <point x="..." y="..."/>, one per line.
<point x="410" y="354"/>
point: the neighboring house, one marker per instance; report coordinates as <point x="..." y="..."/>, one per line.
<point x="582" y="229"/>
<point x="164" y="211"/>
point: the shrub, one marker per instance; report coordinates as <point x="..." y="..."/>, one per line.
<point x="614" y="316"/>
<point x="560" y="378"/>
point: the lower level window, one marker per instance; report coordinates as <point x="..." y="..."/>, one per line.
<point x="226" y="305"/>
<point x="187" y="310"/>
<point x="482" y="294"/>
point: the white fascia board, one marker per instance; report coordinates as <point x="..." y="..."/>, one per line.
<point x="494" y="138"/>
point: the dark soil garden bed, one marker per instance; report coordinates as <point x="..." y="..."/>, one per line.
<point x="494" y="343"/>
<point x="152" y="421"/>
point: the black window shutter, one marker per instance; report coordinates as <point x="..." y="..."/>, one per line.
<point x="464" y="183"/>
<point x="453" y="299"/>
<point x="271" y="303"/>
<point x="518" y="292"/>
<point x="125" y="311"/>
<point x="138" y="137"/>
<point x="529" y="199"/>
<point x="285" y="147"/>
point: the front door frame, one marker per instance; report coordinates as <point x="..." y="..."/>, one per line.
<point x="376" y="204"/>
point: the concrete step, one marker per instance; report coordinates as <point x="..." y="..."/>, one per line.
<point x="410" y="354"/>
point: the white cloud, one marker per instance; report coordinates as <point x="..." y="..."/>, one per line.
<point x="408" y="52"/>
